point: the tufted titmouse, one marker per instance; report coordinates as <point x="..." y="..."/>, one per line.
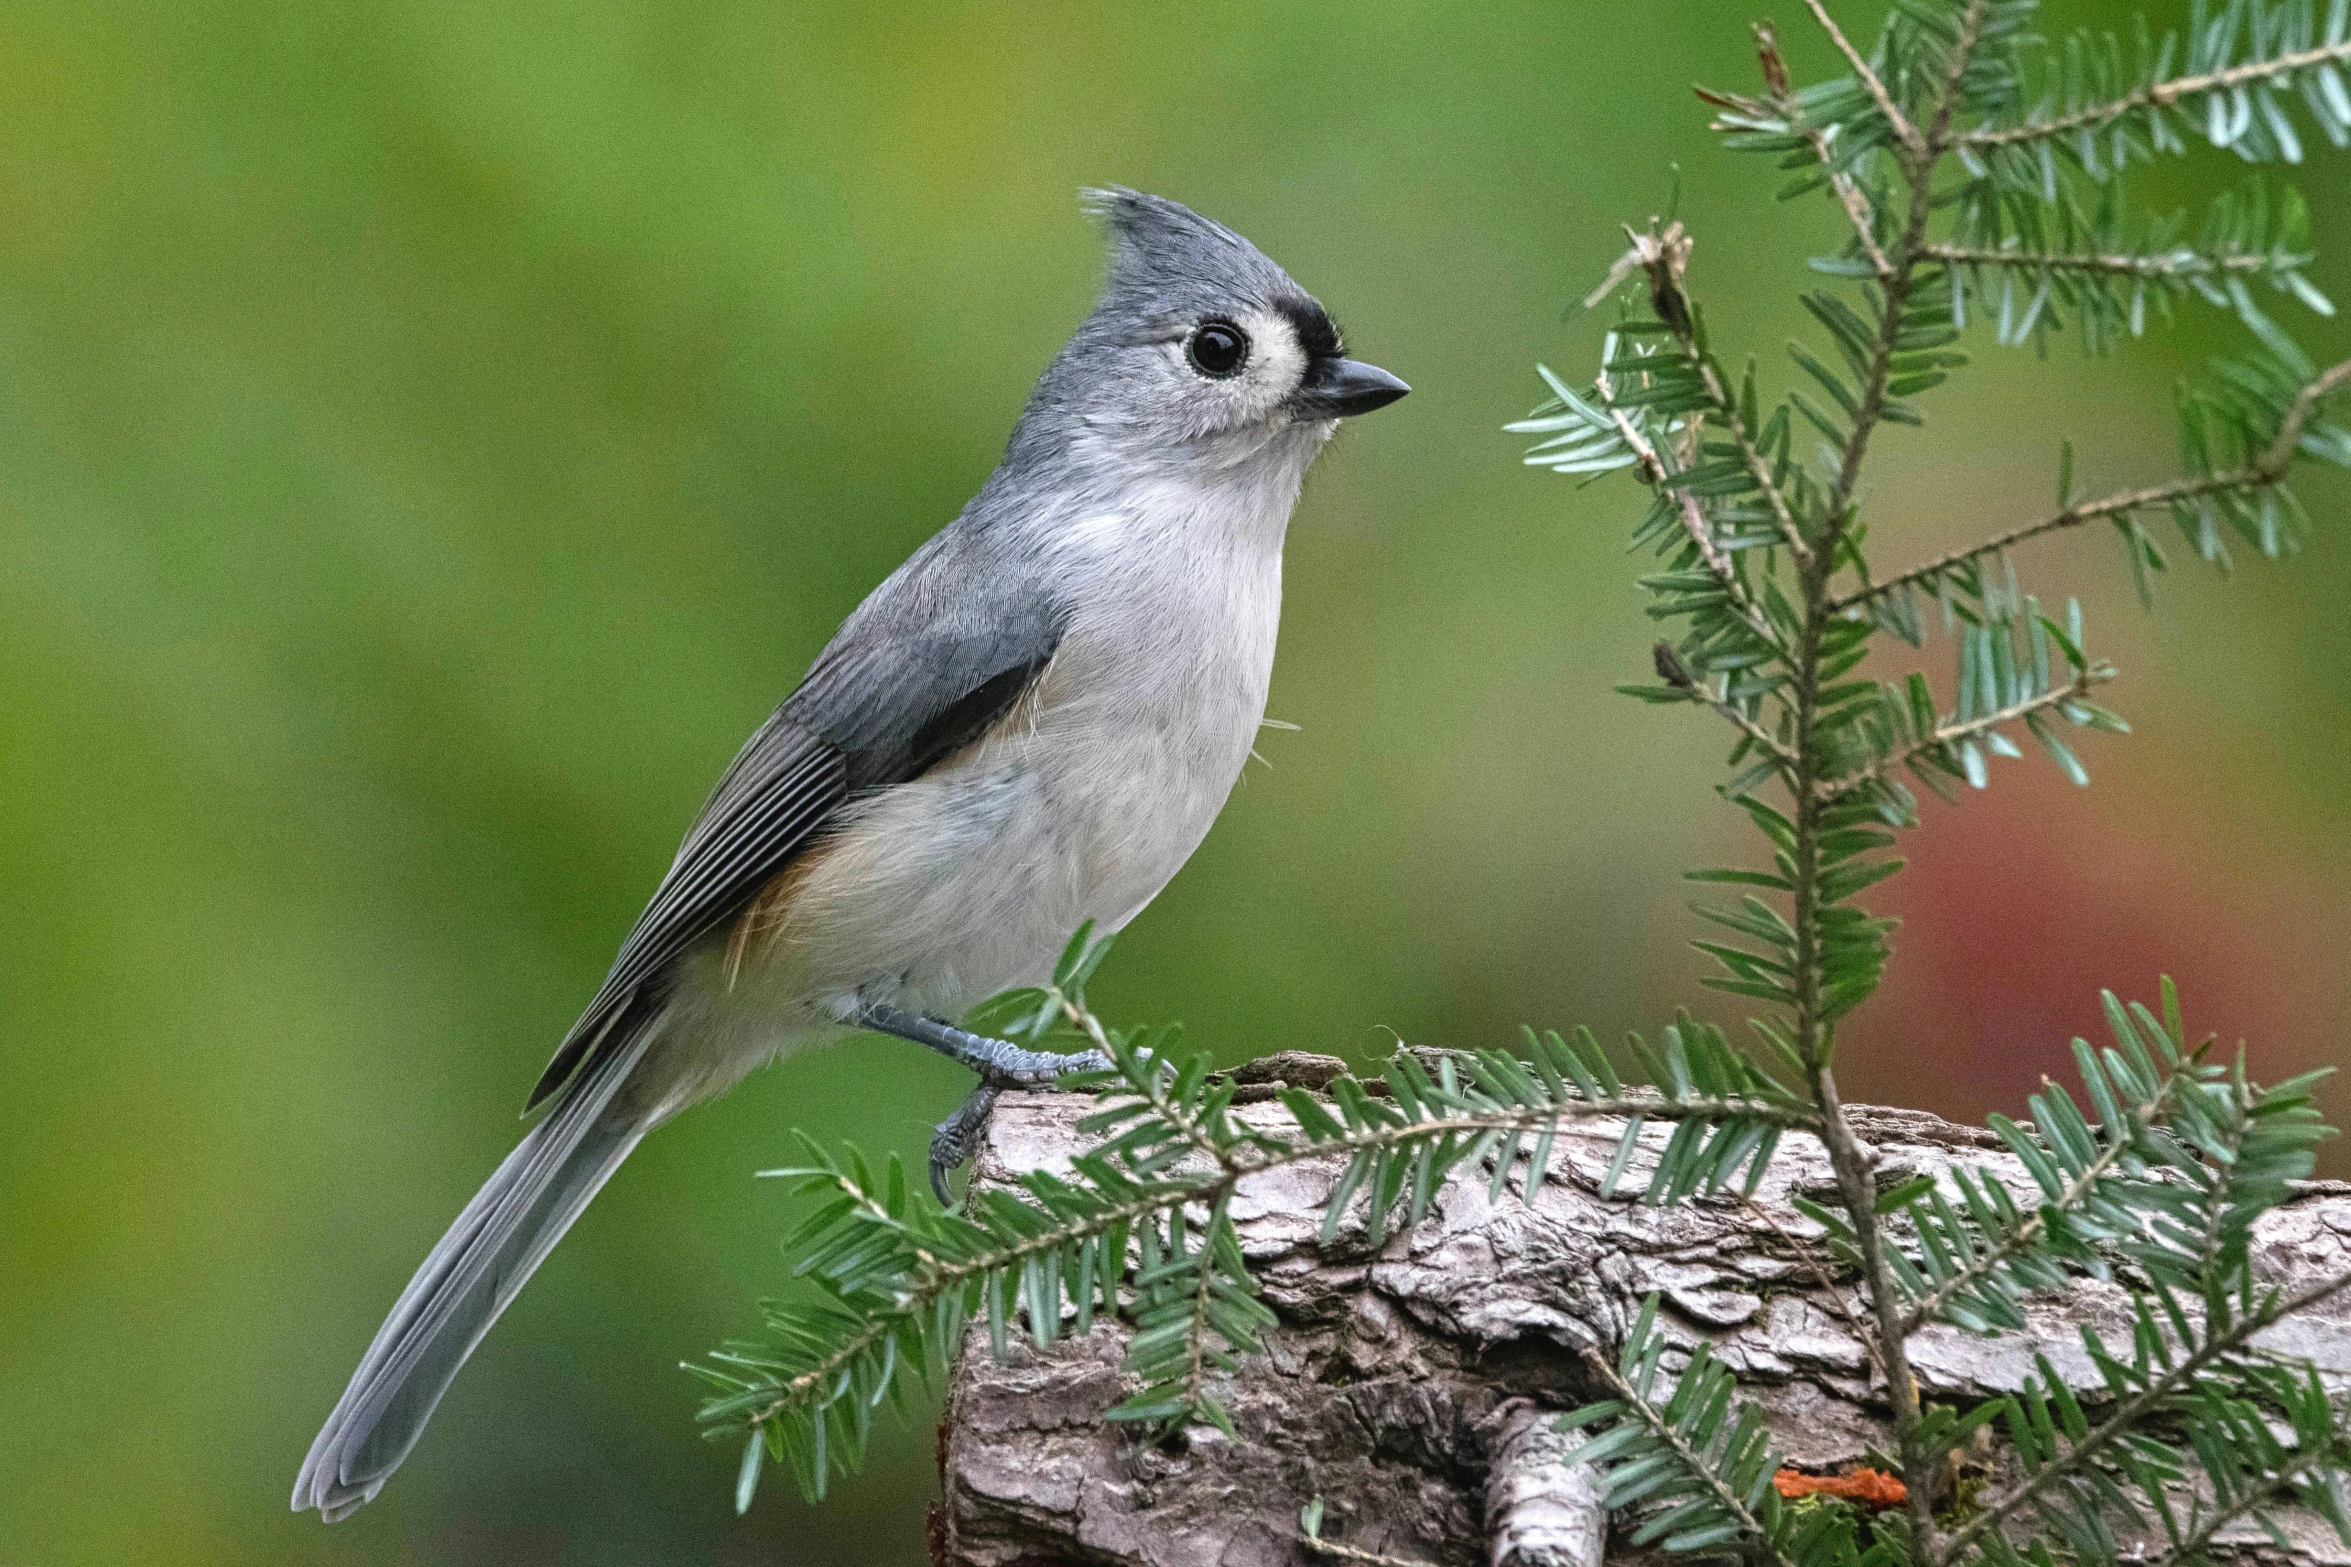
<point x="1029" y="725"/>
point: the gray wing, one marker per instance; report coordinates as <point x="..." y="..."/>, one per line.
<point x="939" y="652"/>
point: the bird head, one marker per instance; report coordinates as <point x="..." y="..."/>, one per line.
<point x="1200" y="339"/>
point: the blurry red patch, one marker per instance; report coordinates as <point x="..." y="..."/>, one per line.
<point x="1869" y="1487"/>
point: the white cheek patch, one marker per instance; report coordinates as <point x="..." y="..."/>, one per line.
<point x="1277" y="361"/>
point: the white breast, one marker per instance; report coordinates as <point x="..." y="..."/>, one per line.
<point x="971" y="879"/>
<point x="1151" y="706"/>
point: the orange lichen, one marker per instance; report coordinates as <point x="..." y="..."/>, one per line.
<point x="1869" y="1487"/>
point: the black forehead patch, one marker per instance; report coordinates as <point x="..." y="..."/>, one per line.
<point x="1317" y="333"/>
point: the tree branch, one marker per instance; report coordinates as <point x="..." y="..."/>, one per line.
<point x="2277" y="1487"/>
<point x="2117" y="504"/>
<point x="2022" y="1239"/>
<point x="1665" y="258"/>
<point x="1384" y="1388"/>
<point x="1771" y="745"/>
<point x="1651" y="470"/>
<point x="1815" y="1039"/>
<point x="1781" y="109"/>
<point x="1858" y="211"/>
<point x="1244" y="1159"/>
<point x="2157" y="95"/>
<point x="1692" y="1464"/>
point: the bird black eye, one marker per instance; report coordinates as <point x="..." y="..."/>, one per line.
<point x="1218" y="348"/>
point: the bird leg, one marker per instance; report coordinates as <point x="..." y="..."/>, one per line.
<point x="1000" y="1064"/>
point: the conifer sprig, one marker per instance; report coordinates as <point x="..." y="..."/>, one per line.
<point x="1141" y="1227"/>
<point x="1965" y="159"/>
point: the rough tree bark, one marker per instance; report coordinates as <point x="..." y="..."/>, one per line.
<point x="1408" y="1387"/>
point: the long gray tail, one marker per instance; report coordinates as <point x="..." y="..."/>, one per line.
<point x="493" y="1248"/>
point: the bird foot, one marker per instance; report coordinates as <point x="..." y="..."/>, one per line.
<point x="1000" y="1063"/>
<point x="957" y="1139"/>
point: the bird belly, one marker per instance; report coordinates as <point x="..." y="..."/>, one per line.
<point x="1078" y="806"/>
<point x="937" y="893"/>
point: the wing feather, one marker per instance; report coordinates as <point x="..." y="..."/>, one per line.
<point x="924" y="668"/>
<point x="787" y="782"/>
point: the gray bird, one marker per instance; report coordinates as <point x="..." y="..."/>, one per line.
<point x="1029" y="725"/>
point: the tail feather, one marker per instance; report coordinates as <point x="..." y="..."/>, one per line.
<point x="496" y="1244"/>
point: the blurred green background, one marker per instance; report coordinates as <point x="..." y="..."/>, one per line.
<point x="431" y="436"/>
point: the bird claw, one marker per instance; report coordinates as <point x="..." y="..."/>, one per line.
<point x="955" y="1140"/>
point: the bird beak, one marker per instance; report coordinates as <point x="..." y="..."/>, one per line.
<point x="1337" y="388"/>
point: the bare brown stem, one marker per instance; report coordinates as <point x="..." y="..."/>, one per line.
<point x="1904" y="131"/>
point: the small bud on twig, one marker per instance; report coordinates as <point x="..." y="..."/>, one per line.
<point x="1670" y="668"/>
<point x="1767" y="54"/>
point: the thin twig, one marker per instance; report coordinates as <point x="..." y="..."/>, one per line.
<point x="2177" y="263"/>
<point x="1665" y="257"/>
<point x="1820" y="1275"/>
<point x="1848" y="192"/>
<point x="2278" y="1485"/>
<point x="1697" y="1467"/>
<point x="1923" y="1310"/>
<point x="1971" y="27"/>
<point x="1203" y="1291"/>
<point x="1757" y="469"/>
<point x="2127" y="1417"/>
<point x="1779" y="750"/>
<point x="939" y="1279"/>
<point x="1924" y="154"/>
<point x="2117" y="504"/>
<point x="1855" y="1164"/>
<point x="2280" y="452"/>
<point x="1701" y="533"/>
<point x="2266" y="469"/>
<point x="1726" y="409"/>
<point x="1953" y="734"/>
<point x="1156" y="1093"/>
<point x="1904" y="131"/>
<point x="1856" y="205"/>
<point x="1652" y="471"/>
<point x="1317" y="1546"/>
<point x="2157" y="95"/>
